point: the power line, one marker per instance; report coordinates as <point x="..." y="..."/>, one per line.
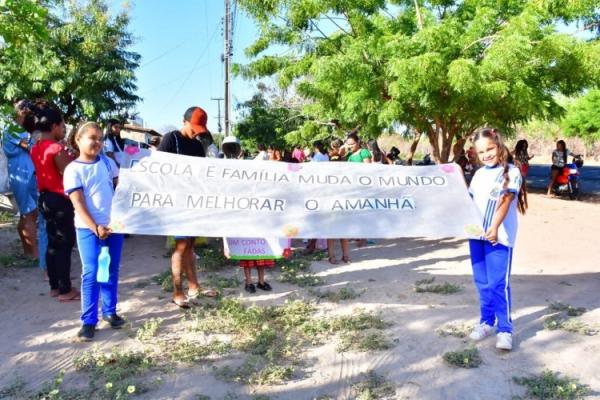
<point x="195" y="65"/>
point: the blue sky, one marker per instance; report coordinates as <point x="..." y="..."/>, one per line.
<point x="181" y="43"/>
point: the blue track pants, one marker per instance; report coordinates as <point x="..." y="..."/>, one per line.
<point x="491" y="273"/>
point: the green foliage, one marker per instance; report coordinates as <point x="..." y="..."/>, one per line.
<point x="374" y="386"/>
<point x="549" y="385"/>
<point x="265" y="119"/>
<point x="345" y="293"/>
<point x="189" y="352"/>
<point x="427" y="286"/>
<point x="454" y="329"/>
<point x="563" y="319"/>
<point x="211" y="258"/>
<point x="462" y="65"/>
<point x="117" y="373"/>
<point x="165" y="280"/>
<point x="296" y="270"/>
<point x="73" y="53"/>
<point x="149" y="329"/>
<point x="468" y="358"/>
<point x="583" y="117"/>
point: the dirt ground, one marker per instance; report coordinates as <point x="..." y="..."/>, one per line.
<point x="557" y="258"/>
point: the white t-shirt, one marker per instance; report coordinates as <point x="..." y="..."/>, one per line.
<point x="319" y="157"/>
<point x="96" y="181"/>
<point x="486" y="189"/>
<point x="262" y="156"/>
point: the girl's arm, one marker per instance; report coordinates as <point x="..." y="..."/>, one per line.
<point x="61" y="160"/>
<point x="492" y="233"/>
<point x="78" y="201"/>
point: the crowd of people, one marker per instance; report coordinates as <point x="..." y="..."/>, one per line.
<point x="64" y="190"/>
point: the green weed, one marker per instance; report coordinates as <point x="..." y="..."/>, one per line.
<point x="563" y="318"/>
<point x="6" y="217"/>
<point x="117" y="373"/>
<point x="211" y="257"/>
<point x="189" y="352"/>
<point x="366" y="340"/>
<point x="468" y="358"/>
<point x="165" y="280"/>
<point x="149" y="329"/>
<point x="296" y="270"/>
<point x="567" y="309"/>
<point x="373" y="387"/>
<point x="549" y="385"/>
<point x="454" y="329"/>
<point x="427" y="286"/>
<point x="345" y="293"/>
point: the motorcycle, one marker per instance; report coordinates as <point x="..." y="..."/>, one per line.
<point x="569" y="180"/>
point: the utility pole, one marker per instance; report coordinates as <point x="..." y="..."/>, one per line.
<point x="218" y="100"/>
<point x="226" y="60"/>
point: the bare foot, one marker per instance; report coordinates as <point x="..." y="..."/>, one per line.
<point x="72" y="295"/>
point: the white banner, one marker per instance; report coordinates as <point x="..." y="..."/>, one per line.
<point x="168" y="194"/>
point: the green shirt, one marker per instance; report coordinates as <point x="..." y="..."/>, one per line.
<point x="360" y="156"/>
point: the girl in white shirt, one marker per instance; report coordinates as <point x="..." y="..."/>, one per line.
<point x="498" y="193"/>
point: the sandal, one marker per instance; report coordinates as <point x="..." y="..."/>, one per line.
<point x="71" y="295"/>
<point x="332" y="260"/>
<point x="206" y="292"/>
<point x="181" y="303"/>
<point x="347" y="260"/>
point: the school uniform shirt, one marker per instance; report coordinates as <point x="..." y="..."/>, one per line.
<point x="112" y="145"/>
<point x="175" y="142"/>
<point x="96" y="181"/>
<point x="319" y="157"/>
<point x="486" y="189"/>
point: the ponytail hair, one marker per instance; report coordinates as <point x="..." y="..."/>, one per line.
<point x="504" y="159"/>
<point x="46" y="116"/>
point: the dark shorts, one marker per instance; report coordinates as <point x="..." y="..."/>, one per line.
<point x="556" y="168"/>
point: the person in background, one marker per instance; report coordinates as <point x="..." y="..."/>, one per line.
<point x="335" y="147"/>
<point x="183" y="259"/>
<point x="114" y="144"/>
<point x="262" y="153"/>
<point x="378" y="155"/>
<point x="559" y="160"/>
<point x="210" y="148"/>
<point x="319" y="155"/>
<point x="274" y="154"/>
<point x="354" y="151"/>
<point x="16" y="144"/>
<point x="298" y="154"/>
<point x="153" y="143"/>
<point x="50" y="159"/>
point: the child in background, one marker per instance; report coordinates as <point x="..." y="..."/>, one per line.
<point x="497" y="191"/>
<point x="89" y="181"/>
<point x="231" y="150"/>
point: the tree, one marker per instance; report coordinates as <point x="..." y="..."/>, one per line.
<point x="82" y="64"/>
<point x="268" y="118"/>
<point x="582" y="118"/>
<point x="442" y="67"/>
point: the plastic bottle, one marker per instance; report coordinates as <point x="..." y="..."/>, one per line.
<point x="103" y="265"/>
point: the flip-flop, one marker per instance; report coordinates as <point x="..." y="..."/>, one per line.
<point x="332" y="260"/>
<point x="181" y="304"/>
<point x="73" y="296"/>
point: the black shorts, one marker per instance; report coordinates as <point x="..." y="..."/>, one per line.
<point x="556" y="168"/>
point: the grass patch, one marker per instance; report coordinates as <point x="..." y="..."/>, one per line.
<point x="374" y="386"/>
<point x="211" y="257"/>
<point x="549" y="385"/>
<point x="275" y="336"/>
<point x="567" y="309"/>
<point x="369" y="340"/>
<point x="189" y="352"/>
<point x="165" y="280"/>
<point x="220" y="282"/>
<point x="7" y="218"/>
<point x="345" y="293"/>
<point x="428" y="286"/>
<point x="117" y="374"/>
<point x="468" y="358"/>
<point x="454" y="329"/>
<point x="296" y="270"/>
<point x="148" y="331"/>
<point x="141" y="284"/>
<point x="564" y="319"/>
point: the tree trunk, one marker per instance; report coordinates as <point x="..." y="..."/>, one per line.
<point x="413" y="148"/>
<point x="447" y="139"/>
<point x="433" y="137"/>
